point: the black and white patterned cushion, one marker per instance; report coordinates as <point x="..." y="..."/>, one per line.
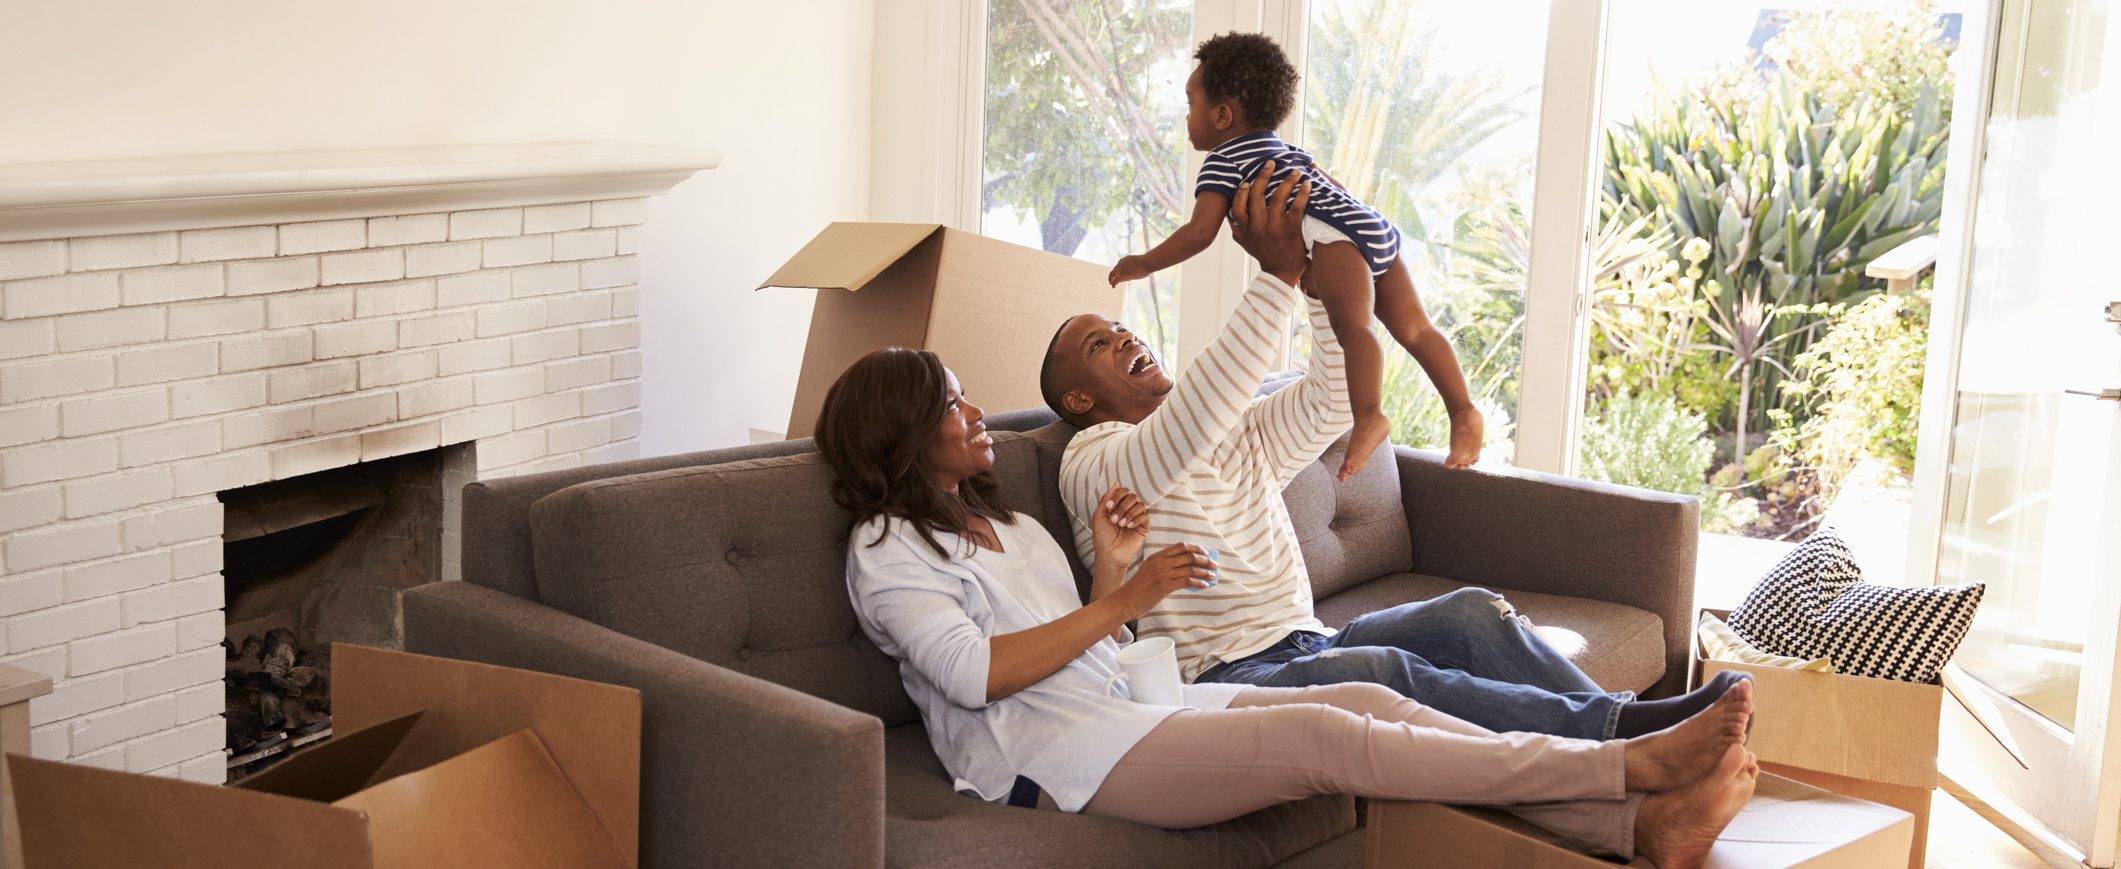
<point x="1779" y="614"/>
<point x="1813" y="604"/>
<point x="1890" y="632"/>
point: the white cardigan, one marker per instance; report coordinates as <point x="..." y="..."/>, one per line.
<point x="935" y="615"/>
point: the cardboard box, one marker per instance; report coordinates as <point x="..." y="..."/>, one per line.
<point x="987" y="307"/>
<point x="1874" y="739"/>
<point x="435" y="763"/>
<point x="1787" y="824"/>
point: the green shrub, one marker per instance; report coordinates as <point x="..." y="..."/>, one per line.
<point x="1646" y="323"/>
<point x="1647" y="441"/>
<point x="1785" y="199"/>
<point x="1841" y="49"/>
<point x="1861" y="385"/>
<point x="1652" y="442"/>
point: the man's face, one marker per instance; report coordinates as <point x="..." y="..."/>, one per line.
<point x="1108" y="372"/>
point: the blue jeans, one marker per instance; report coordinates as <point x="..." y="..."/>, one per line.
<point x="1465" y="653"/>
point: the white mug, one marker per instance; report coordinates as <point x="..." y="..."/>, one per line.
<point x="1150" y="667"/>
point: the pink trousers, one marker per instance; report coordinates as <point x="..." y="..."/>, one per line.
<point x="1274" y="745"/>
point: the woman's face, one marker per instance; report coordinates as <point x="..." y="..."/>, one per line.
<point x="961" y="447"/>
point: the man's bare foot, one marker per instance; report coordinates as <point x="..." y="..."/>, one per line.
<point x="1370" y="430"/>
<point x="1677" y="755"/>
<point x="1675" y="829"/>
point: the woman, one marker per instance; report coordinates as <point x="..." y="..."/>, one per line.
<point x="978" y="605"/>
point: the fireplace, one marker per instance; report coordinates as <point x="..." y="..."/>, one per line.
<point x="318" y="559"/>
<point x="184" y="339"/>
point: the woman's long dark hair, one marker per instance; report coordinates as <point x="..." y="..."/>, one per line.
<point x="877" y="423"/>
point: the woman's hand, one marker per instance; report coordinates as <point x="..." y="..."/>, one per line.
<point x="1119" y="526"/>
<point x="1180" y="566"/>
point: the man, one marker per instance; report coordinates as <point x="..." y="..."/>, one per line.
<point x="1212" y="461"/>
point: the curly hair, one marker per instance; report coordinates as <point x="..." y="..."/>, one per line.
<point x="874" y="431"/>
<point x="1249" y="69"/>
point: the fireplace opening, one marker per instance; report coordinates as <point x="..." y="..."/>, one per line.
<point x="314" y="560"/>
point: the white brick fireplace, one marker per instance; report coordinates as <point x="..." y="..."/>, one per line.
<point x="171" y="329"/>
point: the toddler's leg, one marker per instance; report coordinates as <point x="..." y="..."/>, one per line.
<point x="1399" y="308"/>
<point x="1340" y="278"/>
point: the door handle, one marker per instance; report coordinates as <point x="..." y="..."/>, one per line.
<point x="2100" y="394"/>
<point x="2113" y="314"/>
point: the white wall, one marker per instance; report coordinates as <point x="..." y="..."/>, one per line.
<point x="781" y="89"/>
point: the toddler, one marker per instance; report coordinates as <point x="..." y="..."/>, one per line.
<point x="1242" y="90"/>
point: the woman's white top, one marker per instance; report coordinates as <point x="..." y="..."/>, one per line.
<point x="935" y="615"/>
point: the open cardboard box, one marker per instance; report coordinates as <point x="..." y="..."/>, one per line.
<point x="987" y="307"/>
<point x="1786" y="825"/>
<point x="434" y="763"/>
<point x="1875" y="739"/>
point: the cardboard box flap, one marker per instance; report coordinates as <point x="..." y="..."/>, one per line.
<point x="847" y="256"/>
<point x="503" y="805"/>
<point x="591" y="730"/>
<point x="336" y="767"/>
<point x="984" y="305"/>
<point x="74" y="815"/>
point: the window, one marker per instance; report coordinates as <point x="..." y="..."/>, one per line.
<point x="1085" y="137"/>
<point x="1429" y="111"/>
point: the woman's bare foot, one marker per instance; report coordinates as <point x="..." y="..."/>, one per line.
<point x="1371" y="428"/>
<point x="1675" y="829"/>
<point x="1675" y="756"/>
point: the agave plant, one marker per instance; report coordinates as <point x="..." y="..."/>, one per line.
<point x="1793" y="198"/>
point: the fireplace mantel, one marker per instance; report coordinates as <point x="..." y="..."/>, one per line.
<point x="113" y="197"/>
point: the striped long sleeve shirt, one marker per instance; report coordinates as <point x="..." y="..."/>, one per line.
<point x="1211" y="462"/>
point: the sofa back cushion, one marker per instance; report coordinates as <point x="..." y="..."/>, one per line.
<point x="1354" y="530"/>
<point x="740" y="564"/>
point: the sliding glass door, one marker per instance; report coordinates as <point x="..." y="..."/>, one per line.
<point x="2030" y="484"/>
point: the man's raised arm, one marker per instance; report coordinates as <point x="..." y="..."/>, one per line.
<point x="1291" y="428"/>
<point x="1208" y="402"/>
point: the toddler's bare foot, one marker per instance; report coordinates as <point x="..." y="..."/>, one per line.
<point x="1370" y="430"/>
<point x="1675" y="829"/>
<point x="1677" y="755"/>
<point x="1468" y="433"/>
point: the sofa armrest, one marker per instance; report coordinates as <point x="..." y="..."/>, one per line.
<point x="736" y="771"/>
<point x="1530" y="531"/>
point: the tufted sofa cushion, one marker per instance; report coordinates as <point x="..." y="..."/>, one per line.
<point x="740" y="564"/>
<point x="1352" y="532"/>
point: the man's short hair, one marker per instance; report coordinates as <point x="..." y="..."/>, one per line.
<point x="1049" y="385"/>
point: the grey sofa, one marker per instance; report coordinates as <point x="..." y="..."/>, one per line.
<point x="776" y="735"/>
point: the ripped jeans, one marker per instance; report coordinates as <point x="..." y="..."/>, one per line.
<point x="1466" y="654"/>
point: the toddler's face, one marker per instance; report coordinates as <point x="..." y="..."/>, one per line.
<point x="1200" y="116"/>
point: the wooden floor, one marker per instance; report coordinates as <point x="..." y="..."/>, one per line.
<point x="1962" y="838"/>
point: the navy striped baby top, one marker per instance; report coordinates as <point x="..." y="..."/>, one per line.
<point x="1234" y="161"/>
